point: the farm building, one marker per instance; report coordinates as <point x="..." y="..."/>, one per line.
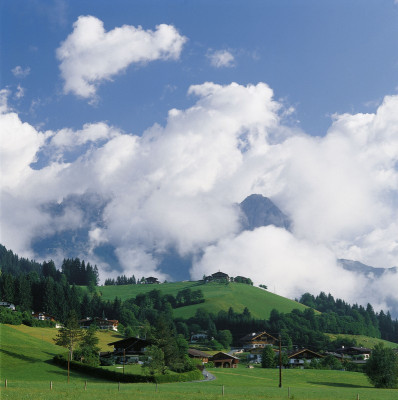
<point x="101" y="323"/>
<point x="200" y="355"/>
<point x="127" y="350"/>
<point x="224" y="360"/>
<point x="296" y="359"/>
<point x="257" y="340"/>
<point x="217" y="276"/>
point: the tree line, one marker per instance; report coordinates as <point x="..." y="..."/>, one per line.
<point x="41" y="287"/>
<point x="340" y="317"/>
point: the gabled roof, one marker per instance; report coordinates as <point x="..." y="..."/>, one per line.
<point x="302" y="351"/>
<point x="222" y="356"/>
<point x="99" y="321"/>
<point x="353" y="349"/>
<point x="198" y="353"/>
<point x="253" y="336"/>
<point x="129" y="342"/>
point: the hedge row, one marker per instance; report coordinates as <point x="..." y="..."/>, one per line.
<point x="194" y="375"/>
<point x="103" y="373"/>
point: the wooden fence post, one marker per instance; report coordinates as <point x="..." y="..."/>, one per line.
<point x="5" y="383"/>
<point x="51" y="385"/>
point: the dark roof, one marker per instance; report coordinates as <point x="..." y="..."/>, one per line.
<point x="223" y="356"/>
<point x="99" y="321"/>
<point x="302" y="351"/>
<point x="198" y="353"/>
<point x="353" y="349"/>
<point x="129" y="342"/>
<point x="219" y="274"/>
<point x="251" y="336"/>
<point x="151" y="279"/>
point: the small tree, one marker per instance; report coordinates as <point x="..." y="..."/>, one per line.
<point x="88" y="347"/>
<point x="225" y="338"/>
<point x="268" y="357"/>
<point x="155" y="363"/>
<point x="69" y="335"/>
<point x="382" y="368"/>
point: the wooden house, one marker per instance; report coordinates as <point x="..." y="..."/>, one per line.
<point x="256" y="341"/>
<point x="101" y="323"/>
<point x="296" y="359"/>
<point x="151" y="280"/>
<point x="358" y="353"/>
<point x="224" y="360"/>
<point x="199" y="337"/>
<point x="128" y="350"/>
<point x="7" y="304"/>
<point x="217" y="276"/>
<point x="200" y="355"/>
<point x="42" y="316"/>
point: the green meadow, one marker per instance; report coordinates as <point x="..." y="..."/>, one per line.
<point x="217" y="296"/>
<point x="25" y="362"/>
<point x="364" y="341"/>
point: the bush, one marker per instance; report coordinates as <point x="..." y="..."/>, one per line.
<point x="194" y="375"/>
<point x="61" y="359"/>
<point x="268" y="357"/>
<point x="210" y="364"/>
<point x="99" y="372"/>
<point x="382" y="368"/>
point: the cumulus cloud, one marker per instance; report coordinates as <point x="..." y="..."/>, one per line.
<point x="177" y="186"/>
<point x="273" y="256"/>
<point x="90" y="55"/>
<point x="221" y="58"/>
<point x="20" y="72"/>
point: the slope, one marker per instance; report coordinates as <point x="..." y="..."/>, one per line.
<point x="218" y="296"/>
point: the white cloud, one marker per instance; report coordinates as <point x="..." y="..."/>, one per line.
<point x="89" y="55"/>
<point x="178" y="186"/>
<point x="20" y="72"/>
<point x="221" y="58"/>
<point x="20" y="92"/>
<point x="68" y="138"/>
<point x="274" y="257"/>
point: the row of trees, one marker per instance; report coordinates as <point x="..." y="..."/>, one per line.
<point x="76" y="271"/>
<point x="79" y="273"/>
<point x="123" y="280"/>
<point x="341" y="317"/>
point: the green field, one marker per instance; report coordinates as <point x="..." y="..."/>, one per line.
<point x="25" y="362"/>
<point x="48" y="335"/>
<point x="364" y="341"/>
<point x="217" y="296"/>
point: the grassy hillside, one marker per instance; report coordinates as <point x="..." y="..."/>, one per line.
<point x="217" y="296"/>
<point x="25" y="356"/>
<point x="25" y="363"/>
<point x="364" y="341"/>
<point x="48" y="335"/>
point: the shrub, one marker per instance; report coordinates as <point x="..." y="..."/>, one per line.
<point x="382" y="368"/>
<point x="61" y="359"/>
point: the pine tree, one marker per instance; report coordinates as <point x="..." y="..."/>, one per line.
<point x="268" y="357"/>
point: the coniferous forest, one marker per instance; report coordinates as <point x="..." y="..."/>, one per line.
<point x="42" y="287"/>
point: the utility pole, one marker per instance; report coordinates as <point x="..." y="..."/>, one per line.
<point x="280" y="361"/>
<point x="68" y="363"/>
<point x="124" y="359"/>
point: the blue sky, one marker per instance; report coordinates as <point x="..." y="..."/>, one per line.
<point x="320" y="57"/>
<point x="130" y="131"/>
